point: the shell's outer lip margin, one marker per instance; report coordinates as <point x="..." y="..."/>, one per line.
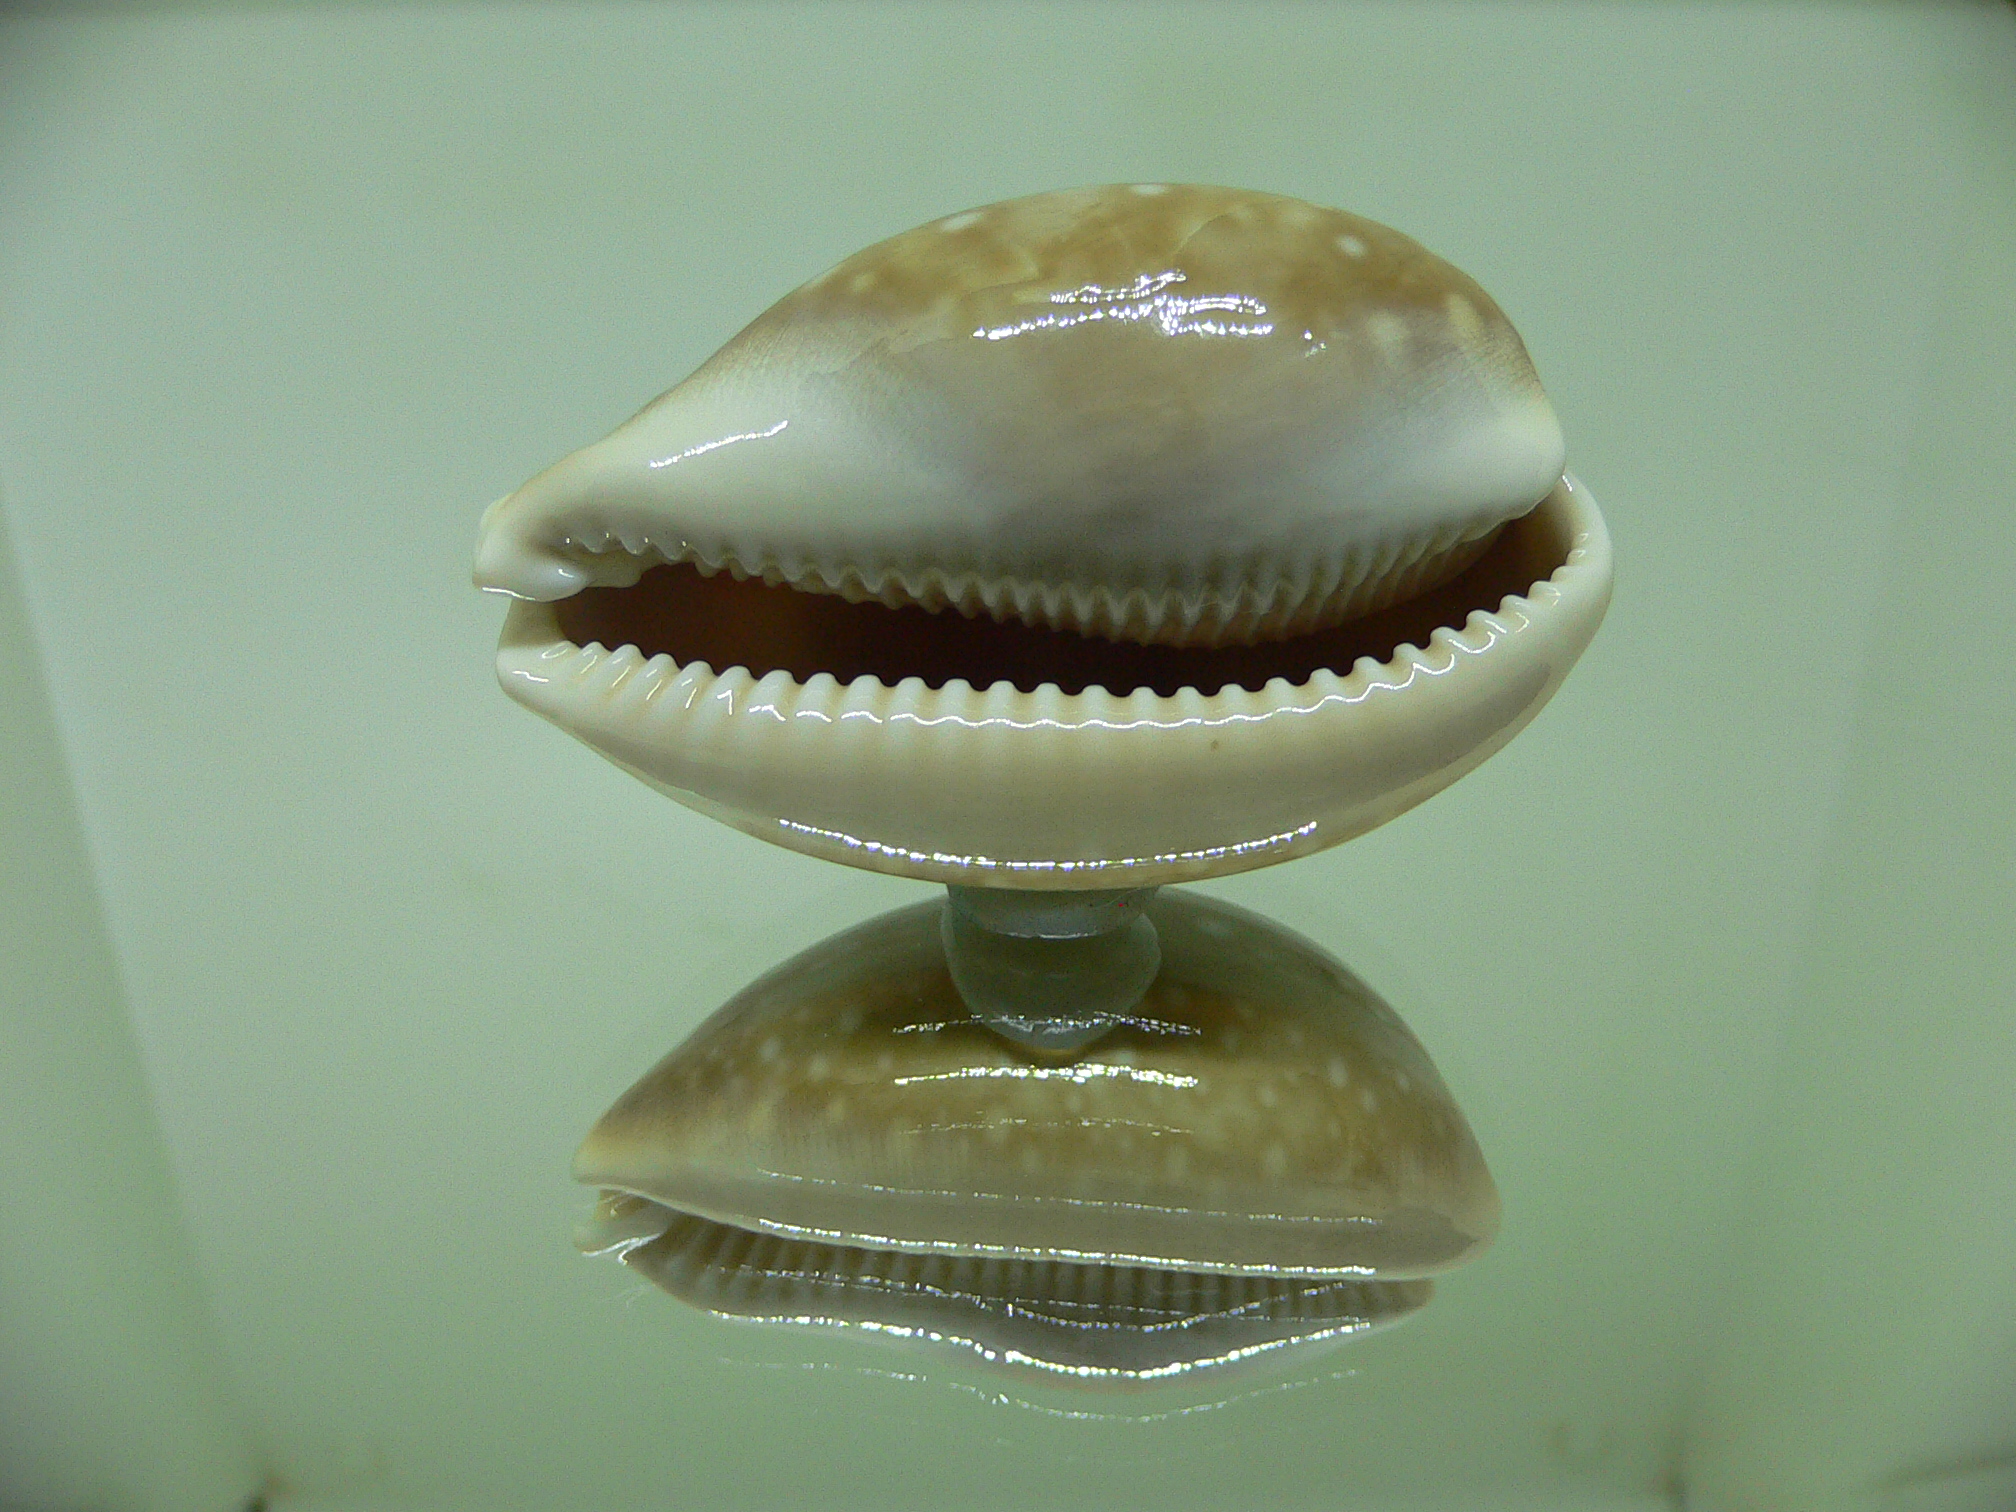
<point x="1101" y="1375"/>
<point x="1046" y="1254"/>
<point x="627" y="707"/>
<point x="1206" y="855"/>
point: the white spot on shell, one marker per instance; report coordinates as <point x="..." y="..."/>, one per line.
<point x="1368" y="1099"/>
<point x="1265" y="1095"/>
<point x="1350" y="246"/>
<point x="818" y="1068"/>
<point x="1340" y="1073"/>
<point x="1389" y="333"/>
<point x="861" y="283"/>
<point x="1149" y="188"/>
<point x="960" y="221"/>
<point x="1463" y="316"/>
<point x="770" y="1049"/>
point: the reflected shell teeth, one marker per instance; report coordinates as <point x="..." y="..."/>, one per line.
<point x="1099" y="1326"/>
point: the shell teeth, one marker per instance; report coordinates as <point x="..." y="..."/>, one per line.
<point x="1232" y="600"/>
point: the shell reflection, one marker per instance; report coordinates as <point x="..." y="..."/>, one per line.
<point x="1259" y="1156"/>
<point x="1101" y="1325"/>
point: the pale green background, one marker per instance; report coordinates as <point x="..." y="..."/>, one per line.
<point x="1718" y="955"/>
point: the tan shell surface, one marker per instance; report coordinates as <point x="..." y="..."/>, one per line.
<point x="1128" y="266"/>
<point x="997" y="260"/>
<point x="1263" y="1112"/>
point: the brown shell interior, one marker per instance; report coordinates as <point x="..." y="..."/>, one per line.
<point x="729" y="622"/>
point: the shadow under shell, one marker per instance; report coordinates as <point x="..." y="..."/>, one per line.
<point x="1258" y="1156"/>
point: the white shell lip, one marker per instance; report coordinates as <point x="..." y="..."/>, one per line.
<point x="1006" y="788"/>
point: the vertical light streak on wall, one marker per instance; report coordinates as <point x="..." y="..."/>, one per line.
<point x="1870" y="1360"/>
<point x="111" y="1388"/>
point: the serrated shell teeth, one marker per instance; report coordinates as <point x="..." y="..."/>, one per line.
<point x="1003" y="785"/>
<point x="1238" y="601"/>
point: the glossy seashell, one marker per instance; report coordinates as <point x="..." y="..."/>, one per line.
<point x="844" y="1129"/>
<point x="1151" y="412"/>
<point x="1104" y="538"/>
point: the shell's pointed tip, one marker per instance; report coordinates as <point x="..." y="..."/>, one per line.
<point x="619" y="1222"/>
<point x="522" y="569"/>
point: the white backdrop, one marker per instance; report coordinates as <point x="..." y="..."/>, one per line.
<point x="290" y="294"/>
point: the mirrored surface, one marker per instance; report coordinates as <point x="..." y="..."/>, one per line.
<point x="1715" y="956"/>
